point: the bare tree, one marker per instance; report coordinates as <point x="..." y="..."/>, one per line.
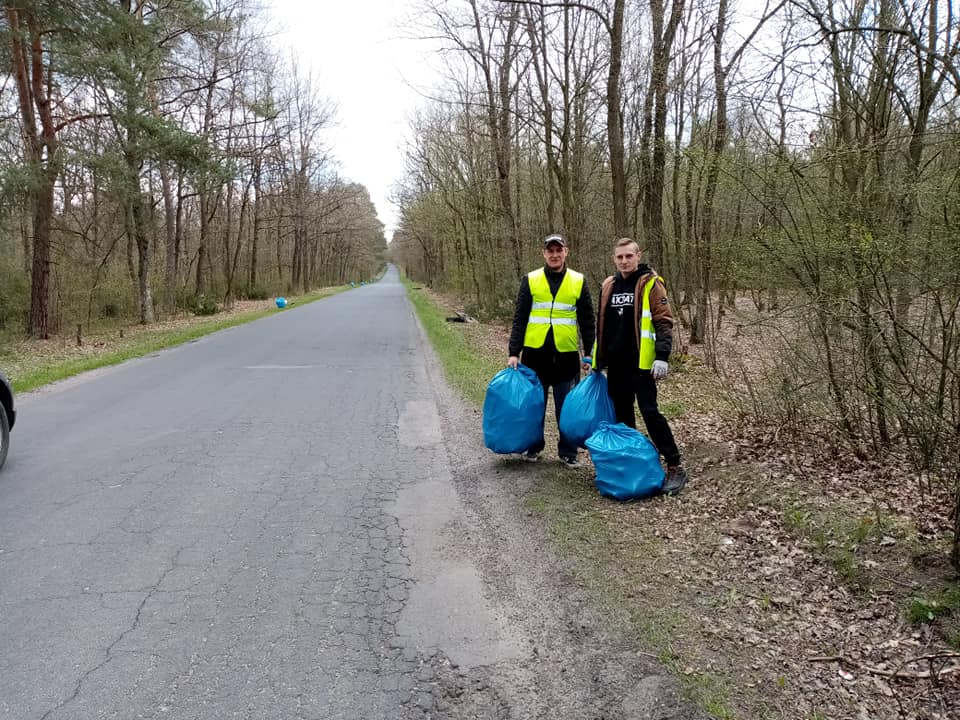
<point x="704" y="246"/>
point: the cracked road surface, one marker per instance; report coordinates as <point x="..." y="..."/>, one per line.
<point x="288" y="519"/>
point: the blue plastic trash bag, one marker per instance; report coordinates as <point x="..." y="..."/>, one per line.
<point x="628" y="465"/>
<point x="585" y="407"/>
<point x="281" y="302"/>
<point x="513" y="411"/>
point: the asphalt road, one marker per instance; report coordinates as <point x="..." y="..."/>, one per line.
<point x="291" y="519"/>
<point x="246" y="526"/>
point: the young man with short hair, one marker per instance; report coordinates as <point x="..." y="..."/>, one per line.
<point x="634" y="341"/>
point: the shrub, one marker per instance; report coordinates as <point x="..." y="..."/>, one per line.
<point x="205" y="306"/>
<point x="110" y="309"/>
<point x="254" y="293"/>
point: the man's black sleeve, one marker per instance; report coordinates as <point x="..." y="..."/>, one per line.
<point x="586" y="320"/>
<point x="520" y="317"/>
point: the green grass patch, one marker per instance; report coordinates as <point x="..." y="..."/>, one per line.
<point x="671" y="409"/>
<point x="30" y="372"/>
<point x="834" y="527"/>
<point x="836" y="538"/>
<point x="922" y="610"/>
<point x="710" y="693"/>
<point x="845" y="540"/>
<point x="571" y="512"/>
<point x="468" y="369"/>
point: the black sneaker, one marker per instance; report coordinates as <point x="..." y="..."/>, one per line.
<point x="531" y="455"/>
<point x="675" y="480"/>
<point x="569" y="461"/>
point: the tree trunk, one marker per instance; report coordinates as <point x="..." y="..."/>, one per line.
<point x="200" y="285"/>
<point x="255" y="234"/>
<point x="41" y="147"/>
<point x="704" y="287"/>
<point x="615" y="123"/>
<point x="499" y="92"/>
<point x="955" y="549"/>
<point x="663" y="36"/>
<point x="541" y="64"/>
<point x="144" y="293"/>
<point x="40" y="269"/>
<point x="227" y="245"/>
<point x="170" y="235"/>
<point x="137" y="234"/>
<point x="235" y="261"/>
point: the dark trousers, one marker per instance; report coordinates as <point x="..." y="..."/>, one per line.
<point x="624" y="385"/>
<point x="561" y="388"/>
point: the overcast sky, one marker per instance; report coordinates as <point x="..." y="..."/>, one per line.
<point x="364" y="60"/>
<point x="364" y="65"/>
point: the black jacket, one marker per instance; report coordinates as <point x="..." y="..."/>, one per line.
<point x="565" y="364"/>
<point x="618" y="345"/>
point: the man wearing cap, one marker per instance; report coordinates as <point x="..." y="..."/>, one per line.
<point x="553" y="302"/>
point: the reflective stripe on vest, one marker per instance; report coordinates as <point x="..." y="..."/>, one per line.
<point x="648" y="335"/>
<point x="558" y="312"/>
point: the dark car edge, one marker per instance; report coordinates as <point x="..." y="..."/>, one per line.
<point x="8" y="416"/>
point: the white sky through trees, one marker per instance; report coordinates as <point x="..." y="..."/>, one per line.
<point x="366" y="58"/>
<point x="365" y="62"/>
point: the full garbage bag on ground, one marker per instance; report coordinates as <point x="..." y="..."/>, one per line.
<point x="627" y="463"/>
<point x="513" y="411"/>
<point x="585" y="407"/>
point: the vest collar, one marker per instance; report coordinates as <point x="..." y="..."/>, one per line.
<point x="556" y="274"/>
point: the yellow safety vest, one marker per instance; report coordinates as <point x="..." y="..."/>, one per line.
<point x="559" y="313"/>
<point x="648" y="335"/>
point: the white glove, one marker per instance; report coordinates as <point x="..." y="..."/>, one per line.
<point x="659" y="370"/>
